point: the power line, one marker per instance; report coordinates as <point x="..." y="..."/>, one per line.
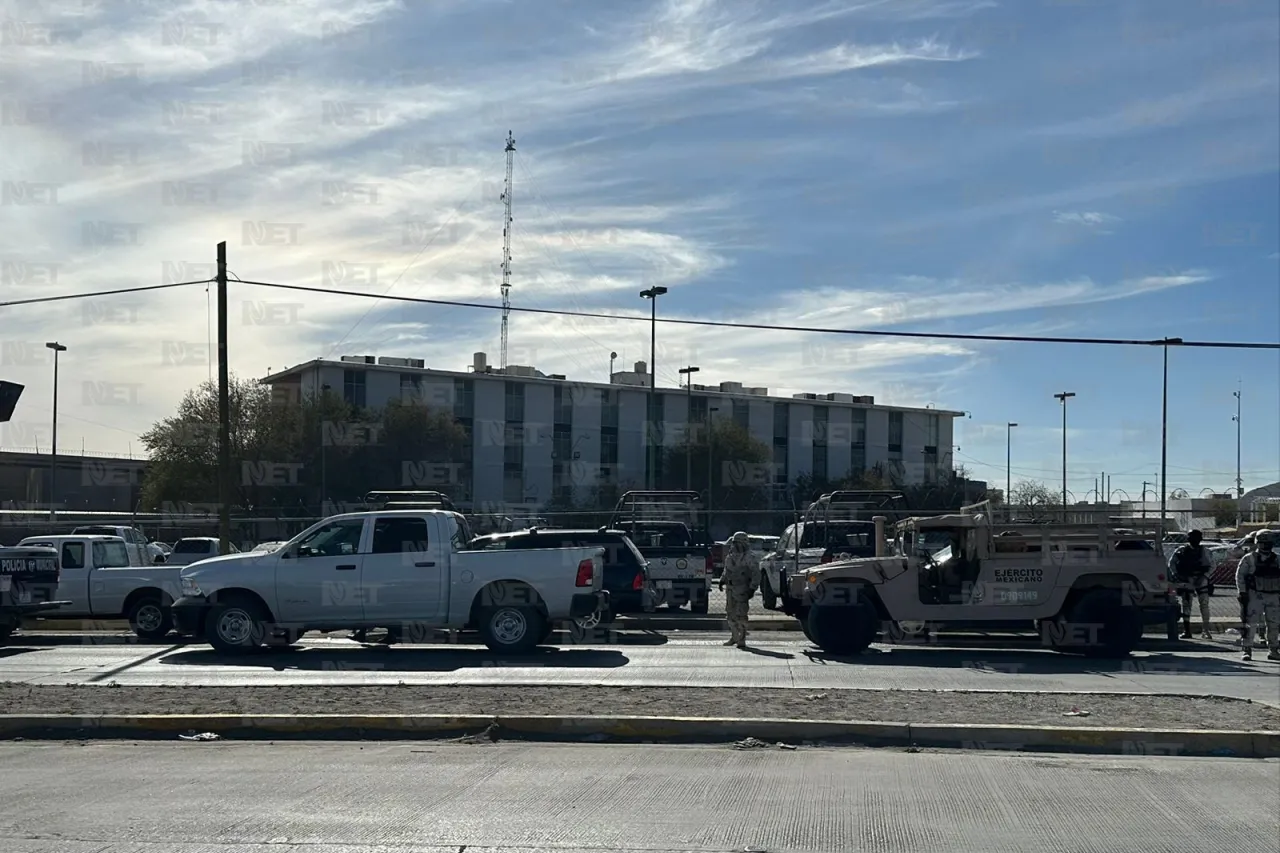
<point x="722" y="324"/>
<point x="1026" y="339"/>
<point x="42" y="299"/>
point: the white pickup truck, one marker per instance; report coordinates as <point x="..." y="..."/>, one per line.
<point x="99" y="581"/>
<point x="392" y="568"/>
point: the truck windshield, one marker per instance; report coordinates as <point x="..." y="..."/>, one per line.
<point x="110" y="555"/>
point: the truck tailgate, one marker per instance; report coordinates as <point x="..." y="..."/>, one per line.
<point x="667" y="564"/>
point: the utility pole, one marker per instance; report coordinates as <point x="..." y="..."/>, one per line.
<point x="224" y="410"/>
<point x="651" y="455"/>
<point x="1064" y="396"/>
<point x="1008" y="464"/>
<point x="53" y="460"/>
<point x="506" y="251"/>
<point x="1144" y="500"/>
<point x="1239" y="481"/>
<point x="1164" y="434"/>
<point x="688" y="419"/>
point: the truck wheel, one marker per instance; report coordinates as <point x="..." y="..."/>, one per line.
<point x="803" y="618"/>
<point x="7" y="627"/>
<point x="149" y="618"/>
<point x="1099" y="625"/>
<point x="237" y="627"/>
<point x="843" y="629"/>
<point x="512" y="629"/>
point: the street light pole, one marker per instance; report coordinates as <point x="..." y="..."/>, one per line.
<point x="1239" y="482"/>
<point x="688" y="372"/>
<point x="53" y="460"/>
<point x="711" y="462"/>
<point x="1064" y="396"/>
<point x="1164" y="433"/>
<point x="650" y="468"/>
<point x="1008" y="463"/>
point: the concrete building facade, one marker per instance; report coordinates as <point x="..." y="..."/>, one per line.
<point x="536" y="437"/>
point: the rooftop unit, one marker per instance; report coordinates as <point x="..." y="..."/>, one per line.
<point x="387" y="361"/>
<point x="731" y="387"/>
<point x="359" y="359"/>
<point x="756" y="391"/>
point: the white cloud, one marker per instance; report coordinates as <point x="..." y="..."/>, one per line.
<point x="1090" y="218"/>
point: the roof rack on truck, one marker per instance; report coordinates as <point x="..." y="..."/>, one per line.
<point x="409" y="500"/>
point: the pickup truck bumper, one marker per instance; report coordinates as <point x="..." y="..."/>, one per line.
<point x="188" y="615"/>
<point x="586" y="603"/>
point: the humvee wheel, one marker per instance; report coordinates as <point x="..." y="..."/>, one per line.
<point x="843" y="629"/>
<point x="1099" y="625"/>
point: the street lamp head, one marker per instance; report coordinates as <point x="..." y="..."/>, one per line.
<point x="1064" y="396"/>
<point x="653" y="292"/>
<point x="1171" y="341"/>
<point x="56" y="347"/>
<point x="1012" y="425"/>
<point x="689" y="369"/>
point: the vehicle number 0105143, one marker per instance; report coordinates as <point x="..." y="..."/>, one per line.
<point x="1017" y="595"/>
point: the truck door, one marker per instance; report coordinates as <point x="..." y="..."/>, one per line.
<point x="73" y="583"/>
<point x="318" y="580"/>
<point x="1019" y="574"/>
<point x="404" y="573"/>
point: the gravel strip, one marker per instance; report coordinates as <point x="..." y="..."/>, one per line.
<point x="901" y="706"/>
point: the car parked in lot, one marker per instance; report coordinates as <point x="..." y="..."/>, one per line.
<point x="195" y="548"/>
<point x="366" y="570"/>
<point x="626" y="576"/>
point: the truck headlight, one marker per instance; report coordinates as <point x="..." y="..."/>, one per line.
<point x="190" y="587"/>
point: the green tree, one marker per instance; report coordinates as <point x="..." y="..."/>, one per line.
<point x="284" y="452"/>
<point x="1224" y="513"/>
<point x="740" y="466"/>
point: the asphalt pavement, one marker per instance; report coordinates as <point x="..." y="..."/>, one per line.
<point x="654" y="660"/>
<point x="179" y="797"/>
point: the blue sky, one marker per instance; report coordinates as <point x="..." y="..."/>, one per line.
<point x="1068" y="168"/>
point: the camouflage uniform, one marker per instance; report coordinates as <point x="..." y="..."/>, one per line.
<point x="742" y="578"/>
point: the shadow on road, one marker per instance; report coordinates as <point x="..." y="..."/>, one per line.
<point x="398" y="659"/>
<point x="1037" y="662"/>
<point x="32" y="638"/>
<point x="764" y="653"/>
<point x="13" y="651"/>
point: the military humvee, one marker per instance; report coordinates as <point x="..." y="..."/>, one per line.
<point x="1083" y="588"/>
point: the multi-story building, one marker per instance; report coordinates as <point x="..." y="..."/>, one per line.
<point x="536" y="437"/>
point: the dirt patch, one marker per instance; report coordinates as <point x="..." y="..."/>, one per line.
<point x="901" y="706"/>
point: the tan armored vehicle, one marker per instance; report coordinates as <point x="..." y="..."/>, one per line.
<point x="1084" y="588"/>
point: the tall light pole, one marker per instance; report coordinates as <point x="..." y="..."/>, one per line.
<point x="1164" y="432"/>
<point x="711" y="462"/>
<point x="1239" y="482"/>
<point x="53" y="460"/>
<point x="1064" y="396"/>
<point x="651" y="456"/>
<point x="1008" y="463"/>
<point x="613" y="356"/>
<point x="688" y="372"/>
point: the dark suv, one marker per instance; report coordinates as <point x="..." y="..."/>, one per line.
<point x="626" y="576"/>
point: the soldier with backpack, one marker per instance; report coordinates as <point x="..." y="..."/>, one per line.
<point x="1258" y="587"/>
<point x="1189" y="569"/>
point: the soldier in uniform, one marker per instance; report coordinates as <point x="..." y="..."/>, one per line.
<point x="742" y="576"/>
<point x="1258" y="586"/>
<point x="1190" y="567"/>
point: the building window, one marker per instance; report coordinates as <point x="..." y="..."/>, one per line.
<point x="781" y="436"/>
<point x="858" y="442"/>
<point x="464" y="399"/>
<point x="608" y="453"/>
<point x="608" y="410"/>
<point x="562" y="450"/>
<point x="742" y="413"/>
<point x="513" y="447"/>
<point x="513" y="486"/>
<point x="562" y="407"/>
<point x="781" y="421"/>
<point x="353" y="388"/>
<point x="698" y="410"/>
<point x="411" y="387"/>
<point x="514" y="396"/>
<point x="895" y="434"/>
<point x="819" y="462"/>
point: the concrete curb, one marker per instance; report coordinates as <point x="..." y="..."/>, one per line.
<point x="1236" y="744"/>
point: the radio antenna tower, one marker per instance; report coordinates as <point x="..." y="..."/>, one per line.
<point x="506" y="252"/>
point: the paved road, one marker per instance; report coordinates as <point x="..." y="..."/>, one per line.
<point x="652" y="660"/>
<point x="434" y="797"/>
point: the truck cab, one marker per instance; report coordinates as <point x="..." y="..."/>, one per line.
<point x="670" y="531"/>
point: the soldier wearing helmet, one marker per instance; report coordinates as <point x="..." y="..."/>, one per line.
<point x="1189" y="567"/>
<point x="742" y="576"/>
<point x="1258" y="585"/>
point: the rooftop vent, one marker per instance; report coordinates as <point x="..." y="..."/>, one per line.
<point x="359" y="359"/>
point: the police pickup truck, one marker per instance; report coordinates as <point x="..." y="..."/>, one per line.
<point x="28" y="585"/>
<point x="669" y="530"/>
